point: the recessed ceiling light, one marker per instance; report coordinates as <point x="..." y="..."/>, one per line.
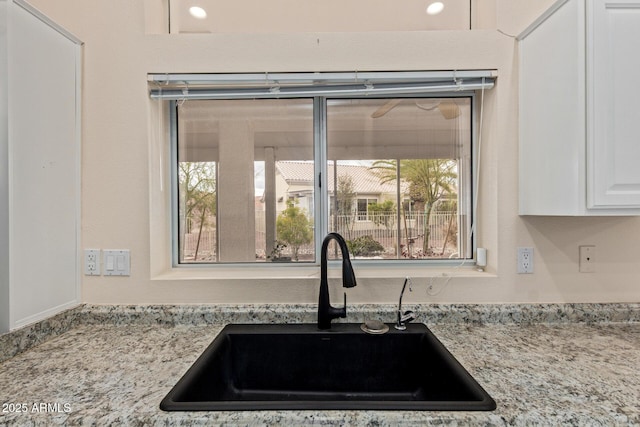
<point x="197" y="12"/>
<point x="435" y="8"/>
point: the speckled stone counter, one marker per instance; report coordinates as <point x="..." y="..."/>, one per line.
<point x="544" y="365"/>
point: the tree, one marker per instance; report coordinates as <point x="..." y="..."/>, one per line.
<point x="429" y="180"/>
<point x="344" y="197"/>
<point x="383" y="213"/>
<point x="294" y="228"/>
<point x="197" y="188"/>
<point x="452" y="227"/>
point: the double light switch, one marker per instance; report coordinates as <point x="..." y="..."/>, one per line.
<point x="116" y="262"/>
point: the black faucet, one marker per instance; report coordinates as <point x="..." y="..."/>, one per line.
<point x="326" y="312"/>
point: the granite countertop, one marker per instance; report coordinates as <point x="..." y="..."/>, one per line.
<point x="544" y="365"/>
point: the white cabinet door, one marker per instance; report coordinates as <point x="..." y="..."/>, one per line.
<point x="43" y="64"/>
<point x="552" y="113"/>
<point x="613" y="104"/>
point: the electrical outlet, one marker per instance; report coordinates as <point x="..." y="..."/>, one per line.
<point x="587" y="259"/>
<point x="525" y="260"/>
<point x="92" y="262"/>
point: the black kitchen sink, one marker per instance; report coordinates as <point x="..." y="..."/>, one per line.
<point x="298" y="366"/>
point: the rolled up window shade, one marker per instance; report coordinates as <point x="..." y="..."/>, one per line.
<point x="301" y="85"/>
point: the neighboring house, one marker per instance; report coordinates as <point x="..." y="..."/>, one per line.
<point x="294" y="180"/>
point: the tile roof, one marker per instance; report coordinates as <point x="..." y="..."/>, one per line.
<point x="365" y="180"/>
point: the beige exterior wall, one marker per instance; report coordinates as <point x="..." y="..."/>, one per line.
<point x="123" y="160"/>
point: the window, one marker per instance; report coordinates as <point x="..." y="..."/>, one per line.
<point x="241" y="165"/>
<point x="363" y="208"/>
<point x="264" y="175"/>
<point x="405" y="165"/>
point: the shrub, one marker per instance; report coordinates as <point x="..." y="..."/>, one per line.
<point x="294" y="228"/>
<point x="364" y="246"/>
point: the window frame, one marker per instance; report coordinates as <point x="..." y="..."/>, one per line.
<point x="321" y="194"/>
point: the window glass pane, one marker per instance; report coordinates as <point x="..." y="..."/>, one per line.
<point x="399" y="175"/>
<point x="245" y="188"/>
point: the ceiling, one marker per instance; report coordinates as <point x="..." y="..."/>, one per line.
<point x="274" y="16"/>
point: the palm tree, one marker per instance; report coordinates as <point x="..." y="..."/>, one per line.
<point x="429" y="181"/>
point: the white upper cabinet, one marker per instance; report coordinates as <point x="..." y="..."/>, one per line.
<point x="613" y="104"/>
<point x="40" y="136"/>
<point x="580" y="110"/>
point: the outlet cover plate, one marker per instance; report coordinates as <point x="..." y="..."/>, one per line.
<point x="525" y="260"/>
<point x="92" y="262"/>
<point x="587" y="259"/>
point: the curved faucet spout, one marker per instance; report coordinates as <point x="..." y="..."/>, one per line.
<point x="326" y="312"/>
<point x="407" y="316"/>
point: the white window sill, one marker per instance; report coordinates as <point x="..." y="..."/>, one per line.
<point x="260" y="272"/>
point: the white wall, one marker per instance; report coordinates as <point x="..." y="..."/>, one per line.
<point x="123" y="193"/>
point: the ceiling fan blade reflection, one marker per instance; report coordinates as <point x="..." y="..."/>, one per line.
<point x="449" y="109"/>
<point x="384" y="109"/>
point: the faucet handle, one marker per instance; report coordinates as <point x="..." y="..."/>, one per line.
<point x="344" y="307"/>
<point x="339" y="311"/>
<point x="403" y="318"/>
<point x="408" y="316"/>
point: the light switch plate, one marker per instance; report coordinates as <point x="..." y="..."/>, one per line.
<point x="116" y="262"/>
